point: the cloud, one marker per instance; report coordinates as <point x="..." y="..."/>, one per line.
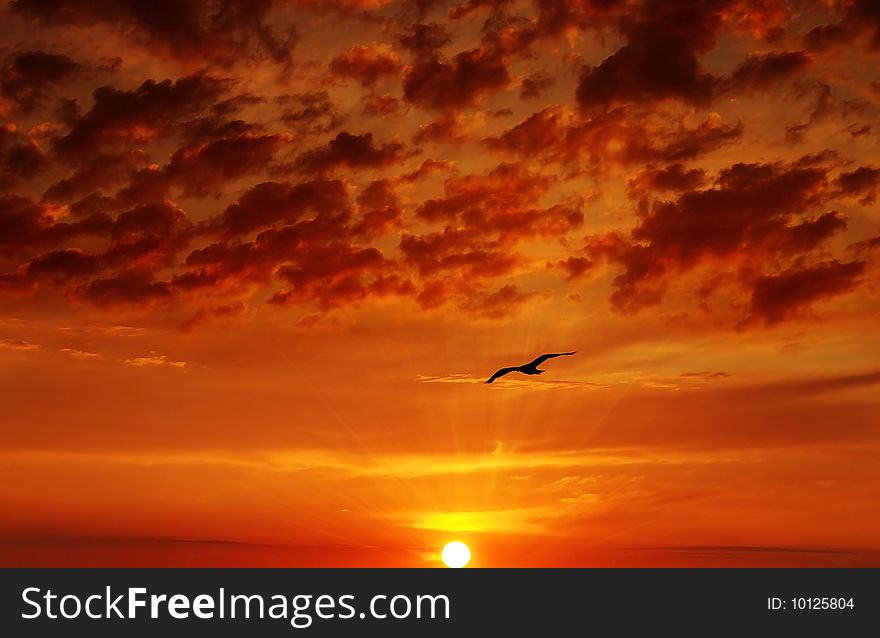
<point x="615" y="137"/>
<point x="148" y="112"/>
<point x="862" y="182"/>
<point x="380" y="105"/>
<point x="860" y="17"/>
<point x="310" y="112"/>
<point x="654" y="65"/>
<point x="504" y="302"/>
<point x="79" y="354"/>
<point x="128" y="288"/>
<point x="535" y="84"/>
<point x="660" y="58"/>
<point x="753" y="213"/>
<point x="154" y="360"/>
<point x="761" y="70"/>
<point x="94" y="174"/>
<point x="272" y="203"/>
<point x="17" y="344"/>
<point x="295" y="209"/>
<point x="20" y="157"/>
<point x="351" y="151"/>
<point x="424" y="40"/>
<point x="366" y="63"/>
<point x="672" y="178"/>
<point x="63" y="264"/>
<point x="27" y="76"/>
<point x="448" y="129"/>
<point x="706" y="375"/>
<point x="437" y="84"/>
<point x="199" y="30"/>
<point x="203" y="169"/>
<point x="25" y="224"/>
<point x="776" y="298"/>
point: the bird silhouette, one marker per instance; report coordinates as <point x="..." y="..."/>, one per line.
<point x="529" y="368"/>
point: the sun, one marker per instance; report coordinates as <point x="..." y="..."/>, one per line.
<point x="455" y="554"/>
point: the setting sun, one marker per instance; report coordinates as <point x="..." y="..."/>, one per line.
<point x="455" y="554"/>
<point x="275" y="276"/>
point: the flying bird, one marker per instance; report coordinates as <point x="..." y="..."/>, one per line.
<point x="529" y="368"/>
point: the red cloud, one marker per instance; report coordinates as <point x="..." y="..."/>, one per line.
<point x="271" y="203"/>
<point x="351" y="151"/>
<point x="753" y="213"/>
<point x="433" y="83"/>
<point x="776" y="298"/>
<point x="20" y="157"/>
<point x="143" y="114"/>
<point x="214" y="32"/>
<point x="613" y="137"/>
<point x="63" y="264"/>
<point x="760" y="70"/>
<point x="859" y="17"/>
<point x="25" y="77"/>
<point x="366" y="63"/>
<point x="310" y="112"/>
<point x="128" y="288"/>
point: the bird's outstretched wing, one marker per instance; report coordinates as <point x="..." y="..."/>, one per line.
<point x="501" y="373"/>
<point x="544" y="357"/>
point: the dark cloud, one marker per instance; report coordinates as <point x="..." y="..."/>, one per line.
<point x="672" y="178"/>
<point x="63" y="264"/>
<point x="824" y="102"/>
<point x="216" y="32"/>
<point x="862" y="182"/>
<point x="776" y="298"/>
<point x="149" y="235"/>
<point x="96" y="173"/>
<point x="341" y="221"/>
<point x="614" y="137"/>
<point x="652" y="66"/>
<point x="459" y="251"/>
<point x="204" y="169"/>
<point x="535" y="84"/>
<point x="381" y="209"/>
<point x="25" y="224"/>
<point x="27" y="76"/>
<point x="310" y="112"/>
<point x="761" y="70"/>
<point x="752" y="214"/>
<point x="218" y="121"/>
<point x="660" y="59"/>
<point x="380" y="105"/>
<point x="20" y="157"/>
<point x="435" y="83"/>
<point x="446" y="130"/>
<point x="152" y="110"/>
<point x="334" y="274"/>
<point x="128" y="288"/>
<point x="351" y="151"/>
<point x="272" y="203"/>
<point x="366" y="63"/>
<point x="425" y="39"/>
<point x="484" y="216"/>
<point x="860" y="17"/>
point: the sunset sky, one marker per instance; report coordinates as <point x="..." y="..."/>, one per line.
<point x="257" y="258"/>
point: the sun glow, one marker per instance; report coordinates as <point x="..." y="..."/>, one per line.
<point x="455" y="554"/>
